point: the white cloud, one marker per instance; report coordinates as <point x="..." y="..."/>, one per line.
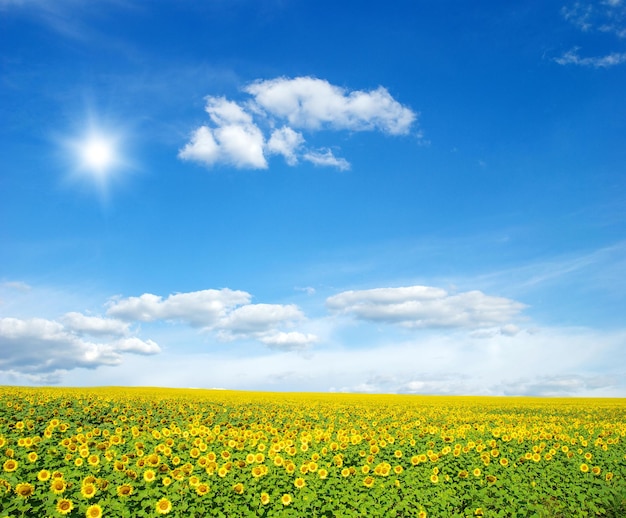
<point x="235" y="140"/>
<point x="259" y="318"/>
<point x="135" y="345"/>
<point x="571" y="57"/>
<point x="235" y="136"/>
<point x="285" y="141"/>
<point x="37" y="345"/>
<point x="292" y="341"/>
<point x="198" y="308"/>
<point x="326" y="158"/>
<point x="82" y="324"/>
<point x="308" y="102"/>
<point x="426" y="307"/>
<point x="225" y="312"/>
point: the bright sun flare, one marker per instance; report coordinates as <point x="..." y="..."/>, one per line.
<point x="98" y="153"/>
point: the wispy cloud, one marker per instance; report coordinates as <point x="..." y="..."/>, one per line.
<point x="326" y="158"/>
<point x="607" y="16"/>
<point x="71" y="18"/>
<point x="286" y="108"/>
<point x="571" y="57"/>
<point x="600" y="16"/>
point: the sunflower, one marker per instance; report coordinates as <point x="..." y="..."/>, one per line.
<point x="286" y="499"/>
<point x="163" y="506"/>
<point x="43" y="475"/>
<point x="596" y="470"/>
<point x="149" y="475"/>
<point x="57" y="486"/>
<point x="94" y="511"/>
<point x="64" y="506"/>
<point x="24" y="489"/>
<point x="93" y="460"/>
<point x="265" y="498"/>
<point x="202" y="489"/>
<point x="88" y="490"/>
<point x="238" y="488"/>
<point x="299" y="483"/>
<point x="434" y="478"/>
<point x="584" y="468"/>
<point x="124" y="490"/>
<point x="10" y="465"/>
<point x="476" y="472"/>
<point x="368" y="481"/>
<point x="32" y="456"/>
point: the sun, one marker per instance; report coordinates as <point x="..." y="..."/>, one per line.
<point x="96" y="156"/>
<point x="98" y="153"/>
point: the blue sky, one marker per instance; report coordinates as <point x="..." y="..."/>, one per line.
<point x="417" y="197"/>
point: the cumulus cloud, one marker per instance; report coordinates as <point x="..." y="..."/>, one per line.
<point x="426" y="307"/>
<point x="197" y="308"/>
<point x="234" y="140"/>
<point x="308" y="102"/>
<point x="285" y="141"/>
<point x="258" y="318"/>
<point x="235" y="136"/>
<point x="226" y="312"/>
<point x="34" y="346"/>
<point x="79" y="323"/>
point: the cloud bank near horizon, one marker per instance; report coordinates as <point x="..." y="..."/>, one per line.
<point x="422" y="339"/>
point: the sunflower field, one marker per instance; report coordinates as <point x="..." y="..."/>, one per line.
<point x="139" y="452"/>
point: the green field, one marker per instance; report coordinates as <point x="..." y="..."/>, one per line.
<point x="135" y="452"/>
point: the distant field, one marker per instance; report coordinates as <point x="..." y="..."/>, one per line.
<point x="118" y="452"/>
